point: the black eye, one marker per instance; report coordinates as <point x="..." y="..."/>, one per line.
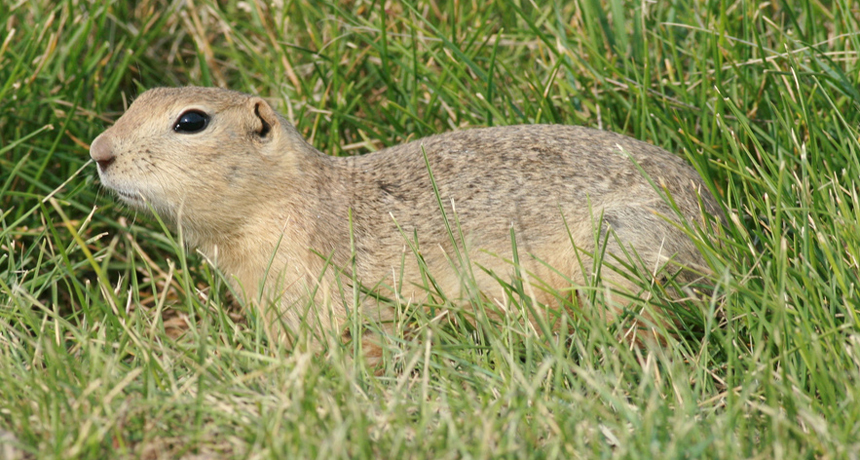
<point x="190" y="122"/>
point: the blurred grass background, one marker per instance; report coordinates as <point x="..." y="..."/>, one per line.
<point x="113" y="344"/>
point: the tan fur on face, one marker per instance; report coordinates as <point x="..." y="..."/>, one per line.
<point x="250" y="193"/>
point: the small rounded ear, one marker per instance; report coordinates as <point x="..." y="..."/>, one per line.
<point x="265" y="118"/>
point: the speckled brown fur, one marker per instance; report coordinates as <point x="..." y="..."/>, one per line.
<point x="250" y="193"/>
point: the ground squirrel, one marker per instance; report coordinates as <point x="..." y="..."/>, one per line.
<point x="274" y="213"/>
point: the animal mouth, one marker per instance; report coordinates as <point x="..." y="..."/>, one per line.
<point x="133" y="198"/>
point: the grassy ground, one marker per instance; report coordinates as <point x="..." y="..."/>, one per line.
<point x="114" y="344"/>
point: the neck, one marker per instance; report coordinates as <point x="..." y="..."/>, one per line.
<point x="273" y="241"/>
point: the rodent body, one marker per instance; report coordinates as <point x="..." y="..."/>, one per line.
<point x="252" y="195"/>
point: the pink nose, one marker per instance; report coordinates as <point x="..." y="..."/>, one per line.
<point x="101" y="151"/>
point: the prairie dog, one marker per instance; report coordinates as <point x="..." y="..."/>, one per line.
<point x="252" y="195"/>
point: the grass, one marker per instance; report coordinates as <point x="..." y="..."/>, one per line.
<point x="116" y="344"/>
